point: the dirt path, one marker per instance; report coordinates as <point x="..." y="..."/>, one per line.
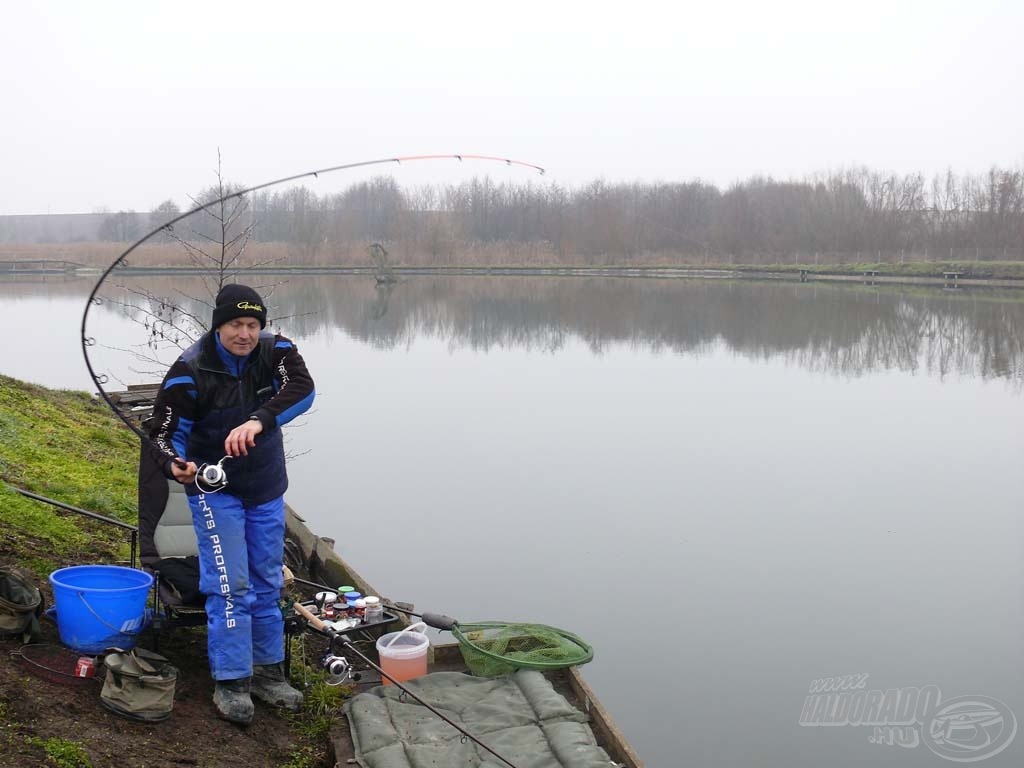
<point x="33" y="710"/>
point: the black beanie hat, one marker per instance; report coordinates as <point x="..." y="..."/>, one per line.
<point x="238" y="301"/>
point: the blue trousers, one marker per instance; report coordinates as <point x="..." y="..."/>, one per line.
<point x="241" y="551"/>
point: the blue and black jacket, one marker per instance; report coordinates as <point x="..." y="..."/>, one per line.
<point x="209" y="391"/>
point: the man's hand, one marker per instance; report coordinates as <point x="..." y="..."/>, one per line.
<point x="242" y="438"/>
<point x="184" y="472"/>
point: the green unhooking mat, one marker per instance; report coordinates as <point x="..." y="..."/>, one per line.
<point x="521" y="717"/>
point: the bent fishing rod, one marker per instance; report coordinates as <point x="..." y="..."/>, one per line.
<point x="348" y="645"/>
<point x="99" y="379"/>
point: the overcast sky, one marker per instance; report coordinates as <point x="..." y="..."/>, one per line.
<point x="123" y="105"/>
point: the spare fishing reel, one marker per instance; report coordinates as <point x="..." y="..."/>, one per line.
<point x="212" y="477"/>
<point x="338" y="669"/>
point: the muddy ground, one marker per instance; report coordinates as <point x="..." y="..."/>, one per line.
<point x="34" y="709"/>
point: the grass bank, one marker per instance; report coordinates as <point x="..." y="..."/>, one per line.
<point x="68" y="447"/>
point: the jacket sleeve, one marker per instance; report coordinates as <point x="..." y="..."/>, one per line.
<point x="294" y="389"/>
<point x="173" y="416"/>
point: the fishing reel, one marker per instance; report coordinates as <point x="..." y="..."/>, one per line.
<point x="211" y="477"/>
<point x="338" y="669"/>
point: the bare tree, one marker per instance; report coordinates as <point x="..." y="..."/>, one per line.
<point x="215" y="239"/>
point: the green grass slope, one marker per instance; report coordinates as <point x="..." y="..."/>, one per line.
<point x="68" y="447"/>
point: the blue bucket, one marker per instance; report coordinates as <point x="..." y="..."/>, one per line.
<point x="100" y="606"/>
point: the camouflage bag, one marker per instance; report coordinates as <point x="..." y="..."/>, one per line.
<point x="139" y="684"/>
<point x="21" y="603"/>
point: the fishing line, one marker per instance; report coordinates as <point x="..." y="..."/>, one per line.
<point x="99" y="379"/>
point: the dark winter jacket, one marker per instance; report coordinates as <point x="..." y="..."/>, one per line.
<point x="208" y="392"/>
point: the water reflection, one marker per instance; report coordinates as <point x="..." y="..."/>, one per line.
<point x="844" y="330"/>
<point x="762" y="544"/>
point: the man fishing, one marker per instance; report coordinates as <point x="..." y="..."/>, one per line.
<point x="228" y="395"/>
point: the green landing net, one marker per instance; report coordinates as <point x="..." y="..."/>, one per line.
<point x="492" y="648"/>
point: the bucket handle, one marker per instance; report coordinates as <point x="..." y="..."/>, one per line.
<point x="120" y="631"/>
<point x="419" y="626"/>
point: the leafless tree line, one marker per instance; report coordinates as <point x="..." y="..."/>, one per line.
<point x="850" y="215"/>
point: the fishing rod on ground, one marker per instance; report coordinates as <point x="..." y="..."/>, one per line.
<point x="133" y="530"/>
<point x="489" y="648"/>
<point x="348" y="645"/>
<point x="214" y="475"/>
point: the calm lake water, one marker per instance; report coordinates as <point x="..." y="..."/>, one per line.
<point x="731" y="489"/>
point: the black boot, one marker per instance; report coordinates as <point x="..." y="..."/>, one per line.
<point x="232" y="700"/>
<point x="269" y="684"/>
